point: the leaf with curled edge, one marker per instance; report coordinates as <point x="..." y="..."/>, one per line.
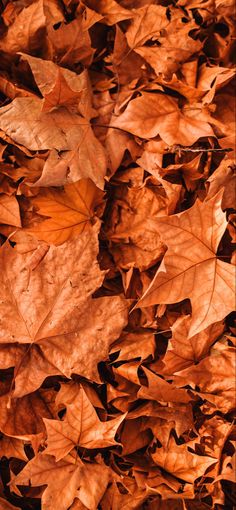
<point x="81" y="426"/>
<point x="66" y="278"/>
<point x="190" y="268"/>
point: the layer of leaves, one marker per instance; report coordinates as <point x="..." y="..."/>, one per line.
<point x="117" y="254"/>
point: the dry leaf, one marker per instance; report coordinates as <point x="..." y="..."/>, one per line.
<point x="154" y="114"/>
<point x="194" y="240"/>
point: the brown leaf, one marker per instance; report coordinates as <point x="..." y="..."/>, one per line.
<point x="214" y="376"/>
<point x="178" y="460"/>
<point x="151" y="114"/>
<point x="68" y="211"/>
<point x="199" y="231"/>
<point x="27" y="30"/>
<point x="9" y="211"/>
<point x="160" y="390"/>
<point x="58" y="323"/>
<point x="184" y="351"/>
<point x="81" y="426"/>
<point x="65" y="480"/>
<point x="60" y="95"/>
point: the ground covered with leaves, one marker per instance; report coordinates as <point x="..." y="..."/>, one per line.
<point x="117" y="228"/>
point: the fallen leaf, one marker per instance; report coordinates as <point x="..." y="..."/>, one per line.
<point x="9" y="211"/>
<point x="69" y="475"/>
<point x="68" y="211"/>
<point x="178" y="460"/>
<point x="200" y="233"/>
<point x="151" y="114"/>
<point x="81" y="426"/>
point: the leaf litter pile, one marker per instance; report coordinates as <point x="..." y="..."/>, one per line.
<point x="117" y="227"/>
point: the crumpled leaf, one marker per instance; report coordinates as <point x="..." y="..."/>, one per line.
<point x="186" y="233"/>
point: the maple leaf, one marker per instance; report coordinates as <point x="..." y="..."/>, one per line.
<point x="60" y="94"/>
<point x="190" y="268"/>
<point x="27" y="30"/>
<point x="184" y="351"/>
<point x="58" y="129"/>
<point x="151" y="23"/>
<point x="178" y="460"/>
<point x="65" y="480"/>
<point x="160" y="390"/>
<point x="214" y="377"/>
<point x="67" y="276"/>
<point x="81" y="426"/>
<point x="151" y="114"/>
<point x="111" y="10"/>
<point x="22" y="417"/>
<point x="121" y="411"/>
<point x="27" y="378"/>
<point x="45" y="73"/>
<point x="69" y="211"/>
<point x="71" y="43"/>
<point x="12" y="447"/>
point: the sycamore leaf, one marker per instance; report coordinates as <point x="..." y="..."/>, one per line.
<point x="82" y="427"/>
<point x="23" y="417"/>
<point x="151" y="114"/>
<point x="179" y="461"/>
<point x="160" y="390"/>
<point x="9" y="211"/>
<point x="134" y="345"/>
<point x="27" y="31"/>
<point x="45" y="73"/>
<point x="147" y="23"/>
<point x="190" y="268"/>
<point x="214" y="377"/>
<point x="73" y="165"/>
<point x="59" y="129"/>
<point x="184" y="351"/>
<point x="60" y="94"/>
<point x="65" y="480"/>
<point x="12" y="447"/>
<point x="71" y="43"/>
<point x="70" y="211"/>
<point x="30" y="367"/>
<point x="111" y="10"/>
<point x="67" y="276"/>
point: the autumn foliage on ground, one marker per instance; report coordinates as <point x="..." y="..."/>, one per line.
<point x="117" y="229"/>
